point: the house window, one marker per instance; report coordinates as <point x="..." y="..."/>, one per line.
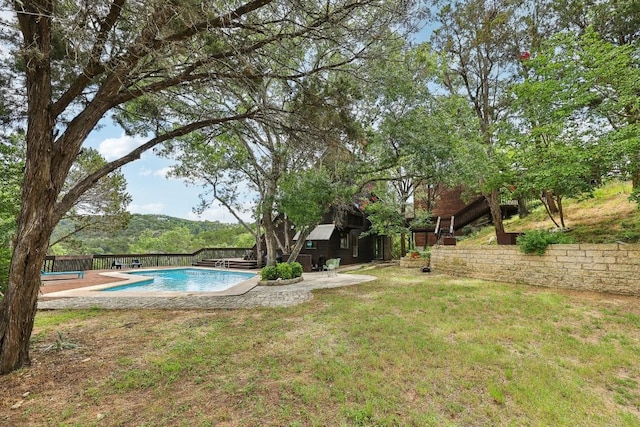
<point x="344" y="241"/>
<point x="310" y="244"/>
<point x="355" y="245"/>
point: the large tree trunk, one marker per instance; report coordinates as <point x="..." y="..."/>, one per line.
<point x="635" y="179"/>
<point x="523" y="210"/>
<point x="38" y="216"/>
<point x="270" y="240"/>
<point x="18" y="309"/>
<point x="43" y="180"/>
<point x="496" y="213"/>
<point x="551" y="203"/>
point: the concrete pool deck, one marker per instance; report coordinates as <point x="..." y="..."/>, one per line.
<point x="85" y="294"/>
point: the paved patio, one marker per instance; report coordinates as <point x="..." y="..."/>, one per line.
<point x="79" y="294"/>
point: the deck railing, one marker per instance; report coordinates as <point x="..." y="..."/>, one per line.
<point x="104" y="262"/>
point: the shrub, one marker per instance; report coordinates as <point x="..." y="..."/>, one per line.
<point x="269" y="272"/>
<point x="284" y="270"/>
<point x="536" y="241"/>
<point x="296" y="269"/>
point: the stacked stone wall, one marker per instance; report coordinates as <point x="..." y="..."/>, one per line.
<point x="612" y="268"/>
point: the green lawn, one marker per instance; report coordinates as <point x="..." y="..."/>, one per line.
<point x="407" y="349"/>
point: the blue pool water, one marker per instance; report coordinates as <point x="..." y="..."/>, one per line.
<point x="185" y="280"/>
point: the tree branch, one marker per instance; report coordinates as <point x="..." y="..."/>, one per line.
<point x="94" y="67"/>
<point x="69" y="199"/>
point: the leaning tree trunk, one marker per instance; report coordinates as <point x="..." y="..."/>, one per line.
<point x="302" y="239"/>
<point x="551" y="203"/>
<point x="635" y="179"/>
<point x="496" y="213"/>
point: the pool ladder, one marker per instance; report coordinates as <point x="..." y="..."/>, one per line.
<point x="224" y="263"/>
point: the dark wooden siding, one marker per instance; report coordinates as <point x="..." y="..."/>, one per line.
<point x="327" y="249"/>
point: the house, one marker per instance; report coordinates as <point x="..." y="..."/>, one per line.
<point x="343" y="239"/>
<point x="442" y="202"/>
<point x="451" y="214"/>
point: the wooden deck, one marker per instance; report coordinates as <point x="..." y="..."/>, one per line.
<point x="62" y="283"/>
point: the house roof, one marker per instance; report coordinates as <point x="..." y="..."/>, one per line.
<point x="321" y="232"/>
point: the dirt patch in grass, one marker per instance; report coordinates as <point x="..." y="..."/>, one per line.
<point x="98" y="371"/>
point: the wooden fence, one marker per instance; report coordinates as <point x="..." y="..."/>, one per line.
<point x="105" y="262"/>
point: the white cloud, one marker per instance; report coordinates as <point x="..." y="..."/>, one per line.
<point x="163" y="173"/>
<point x="114" y="148"/>
<point x="145" y="172"/>
<point x="151" y="208"/>
<point x="219" y="213"/>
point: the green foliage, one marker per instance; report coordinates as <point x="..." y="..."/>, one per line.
<point x="296" y="269"/>
<point x="386" y="219"/>
<point x="536" y="241"/>
<point x="5" y="261"/>
<point x="422" y="219"/>
<point x="269" y="272"/>
<point x="11" y="164"/>
<point x="284" y="270"/>
<point x="102" y="207"/>
<point x="154" y="234"/>
<point x="575" y="83"/>
<point x="305" y="195"/>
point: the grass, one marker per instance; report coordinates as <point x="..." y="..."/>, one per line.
<point x="606" y="216"/>
<point x="406" y="349"/>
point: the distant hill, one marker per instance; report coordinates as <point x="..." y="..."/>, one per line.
<point x="154" y="233"/>
<point x="159" y="223"/>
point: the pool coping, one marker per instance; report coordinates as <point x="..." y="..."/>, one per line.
<point x="129" y="279"/>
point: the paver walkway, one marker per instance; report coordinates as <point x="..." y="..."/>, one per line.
<point x="259" y="296"/>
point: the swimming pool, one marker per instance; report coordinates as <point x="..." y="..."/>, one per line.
<point x="184" y="280"/>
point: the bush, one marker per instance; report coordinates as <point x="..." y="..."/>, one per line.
<point x="284" y="270"/>
<point x="269" y="272"/>
<point x="536" y="241"/>
<point x="296" y="269"/>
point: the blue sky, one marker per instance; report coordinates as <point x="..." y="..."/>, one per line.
<point x="147" y="183"/>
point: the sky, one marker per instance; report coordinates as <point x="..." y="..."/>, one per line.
<point x="152" y="192"/>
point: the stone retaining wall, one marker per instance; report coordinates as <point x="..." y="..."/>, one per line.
<point x="407" y="262"/>
<point x="280" y="282"/>
<point x="613" y="268"/>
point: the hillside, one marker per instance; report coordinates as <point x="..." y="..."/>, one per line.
<point x="606" y="217"/>
<point x="154" y="233"/>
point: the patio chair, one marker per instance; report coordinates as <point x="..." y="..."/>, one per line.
<point x="136" y="263"/>
<point x="117" y="264"/>
<point x="331" y="266"/>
